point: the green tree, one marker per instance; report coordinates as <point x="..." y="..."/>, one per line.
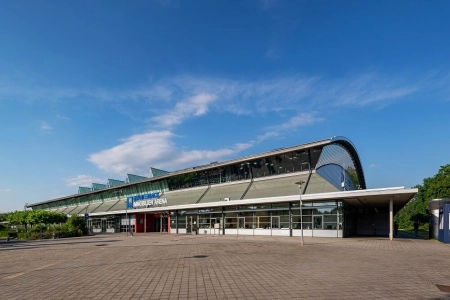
<point x="3" y="219"/>
<point x="17" y="218"/>
<point x="77" y="223"/>
<point x="416" y="210"/>
<point x="34" y="217"/>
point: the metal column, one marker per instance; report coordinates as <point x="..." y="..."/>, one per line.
<point x="391" y="218"/>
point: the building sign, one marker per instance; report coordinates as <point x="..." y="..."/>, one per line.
<point x="145" y="200"/>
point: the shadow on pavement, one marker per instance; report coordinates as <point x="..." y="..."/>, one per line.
<point x="23" y="244"/>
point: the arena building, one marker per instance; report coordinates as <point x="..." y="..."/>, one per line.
<point x="316" y="189"/>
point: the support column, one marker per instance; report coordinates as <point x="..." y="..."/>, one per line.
<point x="168" y="222"/>
<point x="290" y="219"/>
<point x="160" y="223"/>
<point x="176" y="220"/>
<point x="145" y="222"/>
<point x="391" y="218"/>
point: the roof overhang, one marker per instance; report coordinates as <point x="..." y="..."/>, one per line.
<point x="371" y="198"/>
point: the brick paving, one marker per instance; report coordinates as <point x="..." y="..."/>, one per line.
<point x="154" y="266"/>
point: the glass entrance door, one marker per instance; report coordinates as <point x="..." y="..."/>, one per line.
<point x="318" y="224"/>
<point x="241" y="222"/>
<point x="189" y="224"/>
<point x="89" y="225"/>
<point x="103" y="225"/>
<point x="165" y="223"/>
<point x="215" y="223"/>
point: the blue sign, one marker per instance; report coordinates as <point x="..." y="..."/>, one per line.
<point x="131" y="199"/>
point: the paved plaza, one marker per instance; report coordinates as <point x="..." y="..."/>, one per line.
<point x="156" y="266"/>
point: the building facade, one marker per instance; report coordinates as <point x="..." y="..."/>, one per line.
<point x="254" y="195"/>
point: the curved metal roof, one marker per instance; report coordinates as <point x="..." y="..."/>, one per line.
<point x="348" y="145"/>
<point x="340" y="140"/>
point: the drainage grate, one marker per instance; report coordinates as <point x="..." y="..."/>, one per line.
<point x="443" y="288"/>
<point x="101" y="245"/>
<point x="200" y="256"/>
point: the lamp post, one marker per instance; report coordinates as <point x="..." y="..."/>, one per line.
<point x="301" y="209"/>
<point x="126" y="216"/>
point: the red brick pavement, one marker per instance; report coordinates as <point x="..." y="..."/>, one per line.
<point x="153" y="266"/>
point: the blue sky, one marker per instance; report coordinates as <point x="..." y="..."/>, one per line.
<point x="91" y="90"/>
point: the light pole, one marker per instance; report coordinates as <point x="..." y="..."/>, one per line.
<point x="126" y="216"/>
<point x="301" y="209"/>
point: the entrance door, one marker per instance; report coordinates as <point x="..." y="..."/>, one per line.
<point x="103" y="225"/>
<point x="189" y="224"/>
<point x="157" y="224"/>
<point x="165" y="223"/>
<point x="89" y="225"/>
<point x="215" y="230"/>
<point x="318" y="222"/>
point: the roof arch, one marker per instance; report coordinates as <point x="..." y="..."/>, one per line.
<point x="348" y="145"/>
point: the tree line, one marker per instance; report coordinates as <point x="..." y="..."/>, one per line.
<point x="416" y="210"/>
<point x="38" y="224"/>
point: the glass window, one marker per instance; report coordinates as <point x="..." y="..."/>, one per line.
<point x="204" y="221"/>
<point x="173" y="223"/>
<point x="181" y="219"/>
<point x="231" y="208"/>
<point x="307" y="222"/>
<point x="262" y="220"/>
<point x="325" y="210"/>
<point x="231" y="220"/>
<point x="284" y="205"/>
<point x="324" y="203"/>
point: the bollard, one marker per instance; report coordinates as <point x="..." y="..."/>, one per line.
<point x="7" y="238"/>
<point x="53" y="235"/>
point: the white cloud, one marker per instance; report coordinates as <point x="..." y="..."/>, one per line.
<point x="302" y="119"/>
<point x="139" y="152"/>
<point x="268" y="135"/>
<point x="45" y="127"/>
<point x="62" y="117"/>
<point x="5" y="190"/>
<point x="186" y="96"/>
<point x="259" y="96"/>
<point x="373" y="166"/>
<point x="82" y="180"/>
<point x="195" y="106"/>
<point x="367" y="89"/>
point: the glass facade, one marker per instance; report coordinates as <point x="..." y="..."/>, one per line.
<point x="106" y="224"/>
<point x="295" y="161"/>
<point x="317" y="215"/>
<point x="336" y="166"/>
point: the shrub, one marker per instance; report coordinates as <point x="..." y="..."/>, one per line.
<point x="77" y="223"/>
<point x="23" y="235"/>
<point x="65" y="230"/>
<point x="38" y="228"/>
<point x="39" y="235"/>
